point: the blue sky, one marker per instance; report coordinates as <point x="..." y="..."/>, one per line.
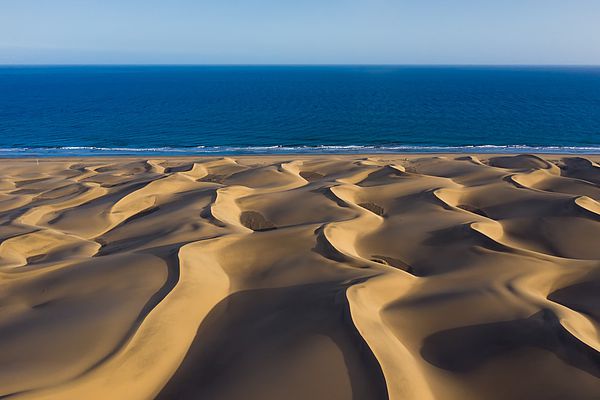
<point x="300" y="32"/>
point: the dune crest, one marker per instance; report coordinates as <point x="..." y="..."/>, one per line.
<point x="324" y="277"/>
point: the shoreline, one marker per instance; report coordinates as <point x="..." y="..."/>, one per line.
<point x="594" y="156"/>
<point x="291" y="150"/>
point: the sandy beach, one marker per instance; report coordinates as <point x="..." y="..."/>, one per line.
<point x="300" y="277"/>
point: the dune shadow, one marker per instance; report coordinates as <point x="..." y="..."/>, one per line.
<point x="466" y="348"/>
<point x="252" y="339"/>
<point x="582" y="297"/>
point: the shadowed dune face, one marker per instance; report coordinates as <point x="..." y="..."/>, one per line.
<point x="319" y="277"/>
<point x="464" y="349"/>
<point x="295" y="342"/>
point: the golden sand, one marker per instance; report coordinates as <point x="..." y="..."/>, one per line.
<point x="300" y="277"/>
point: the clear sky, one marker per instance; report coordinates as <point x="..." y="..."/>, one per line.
<point x="300" y="31"/>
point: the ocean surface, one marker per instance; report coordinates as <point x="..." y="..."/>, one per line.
<point x="177" y="110"/>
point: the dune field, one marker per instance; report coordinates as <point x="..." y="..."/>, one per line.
<point x="300" y="277"/>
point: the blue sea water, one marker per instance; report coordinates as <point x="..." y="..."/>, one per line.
<point x="162" y="110"/>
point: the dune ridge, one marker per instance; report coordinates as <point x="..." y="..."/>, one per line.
<point x="323" y="277"/>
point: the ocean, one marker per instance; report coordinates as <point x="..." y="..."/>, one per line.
<point x="178" y="110"/>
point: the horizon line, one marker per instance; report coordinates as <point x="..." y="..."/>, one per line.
<point x="290" y="65"/>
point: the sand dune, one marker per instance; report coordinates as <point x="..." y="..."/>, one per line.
<point x="305" y="277"/>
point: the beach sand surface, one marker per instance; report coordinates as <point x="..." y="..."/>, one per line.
<point x="300" y="277"/>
